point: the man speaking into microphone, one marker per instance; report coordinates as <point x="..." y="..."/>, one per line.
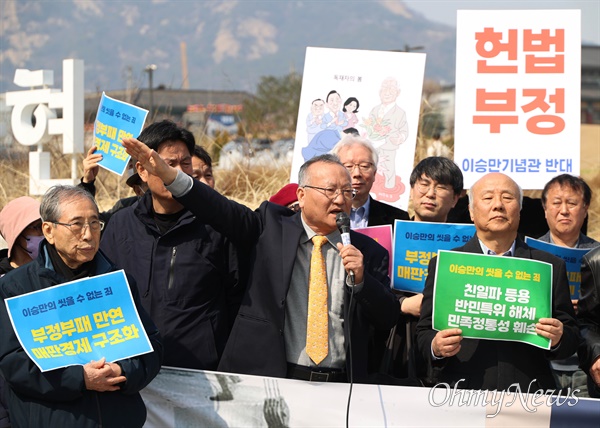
<point x="301" y="317"/>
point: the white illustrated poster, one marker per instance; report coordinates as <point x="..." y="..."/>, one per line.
<point x="374" y="93"/>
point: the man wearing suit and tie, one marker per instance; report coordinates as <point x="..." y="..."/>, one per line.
<point x="271" y="335"/>
<point x="359" y="157"/>
<point x="494" y="203"/>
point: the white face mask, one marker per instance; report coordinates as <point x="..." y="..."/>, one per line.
<point x="33" y="245"/>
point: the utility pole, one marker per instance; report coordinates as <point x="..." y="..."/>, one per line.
<point x="150" y="70"/>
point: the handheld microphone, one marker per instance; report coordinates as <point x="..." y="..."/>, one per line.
<point x="343" y="224"/>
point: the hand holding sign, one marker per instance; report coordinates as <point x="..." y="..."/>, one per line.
<point x="446" y="343"/>
<point x="90" y="165"/>
<point x="550" y="328"/>
<point x="100" y="376"/>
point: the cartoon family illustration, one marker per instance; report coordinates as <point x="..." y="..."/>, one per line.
<point x="324" y="130"/>
<point x="386" y="127"/>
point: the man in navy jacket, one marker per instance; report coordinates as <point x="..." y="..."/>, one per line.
<point x="187" y="272"/>
<point x="99" y="393"/>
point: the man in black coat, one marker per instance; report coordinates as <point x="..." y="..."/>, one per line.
<point x="495" y="202"/>
<point x="99" y="393"/>
<point x="436" y="184"/>
<point x="187" y="272"/>
<point x="589" y="317"/>
<point x="269" y="336"/>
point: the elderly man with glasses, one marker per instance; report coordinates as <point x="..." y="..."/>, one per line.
<point x="99" y="392"/>
<point x="359" y="157"/>
<point x="495" y="202"/>
<point x="290" y="324"/>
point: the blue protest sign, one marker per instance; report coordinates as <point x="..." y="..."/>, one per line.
<point x="416" y="242"/>
<point x="116" y="120"/>
<point x="572" y="258"/>
<point x="79" y="321"/>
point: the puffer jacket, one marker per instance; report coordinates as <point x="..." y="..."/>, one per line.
<point x="58" y="398"/>
<point x="188" y="278"/>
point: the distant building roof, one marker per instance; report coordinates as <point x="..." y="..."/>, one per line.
<point x="590" y="79"/>
<point x="166" y="101"/>
<point x="590" y="57"/>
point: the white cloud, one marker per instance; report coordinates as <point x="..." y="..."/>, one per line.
<point x="23" y="46"/>
<point x="130" y="14"/>
<point x="225" y="44"/>
<point x="263" y="34"/>
<point x="199" y="29"/>
<point x="9" y="21"/>
<point x="397" y="7"/>
<point x="144" y="29"/>
<point x="58" y="22"/>
<point x="89" y="7"/>
<point x="160" y="54"/>
<point x="224" y="7"/>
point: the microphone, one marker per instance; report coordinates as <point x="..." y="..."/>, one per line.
<point x="343" y="224"/>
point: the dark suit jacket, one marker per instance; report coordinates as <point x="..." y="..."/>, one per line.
<point x="496" y="365"/>
<point x="270" y="237"/>
<point x="589" y="315"/>
<point x="381" y="214"/>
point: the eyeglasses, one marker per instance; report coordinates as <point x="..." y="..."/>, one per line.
<point x="78" y="227"/>
<point x="332" y="193"/>
<point x="362" y="167"/>
<point x="438" y="189"/>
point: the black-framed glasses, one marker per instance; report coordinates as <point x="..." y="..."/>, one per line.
<point x="332" y="192"/>
<point x="438" y="189"/>
<point x="78" y="227"/>
<point x="362" y="167"/>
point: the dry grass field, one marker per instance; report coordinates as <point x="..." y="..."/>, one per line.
<point x="252" y="186"/>
<point x="590" y="171"/>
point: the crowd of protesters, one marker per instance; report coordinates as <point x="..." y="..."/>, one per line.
<point x="279" y="291"/>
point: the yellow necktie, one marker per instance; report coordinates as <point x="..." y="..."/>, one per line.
<point x="317" y="324"/>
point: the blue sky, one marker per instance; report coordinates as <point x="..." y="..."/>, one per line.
<point x="444" y="11"/>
